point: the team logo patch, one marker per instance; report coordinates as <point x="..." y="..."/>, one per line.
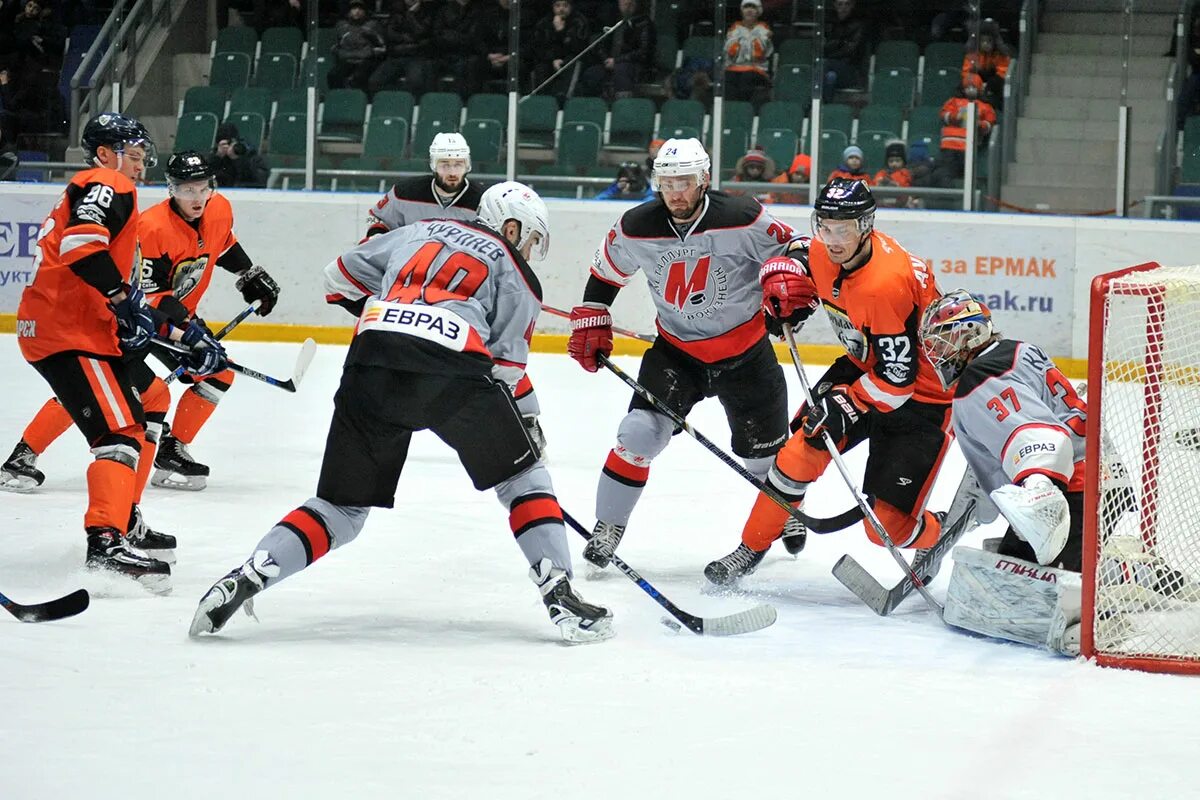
<point x="187" y="276"/>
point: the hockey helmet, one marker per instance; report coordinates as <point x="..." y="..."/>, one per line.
<point x="954" y="328"/>
<point x="680" y="157"/>
<point x="115" y="131"/>
<point x="449" y="145"/>
<point x="187" y="166"/>
<point x="844" y="199"/>
<point x="513" y="200"/>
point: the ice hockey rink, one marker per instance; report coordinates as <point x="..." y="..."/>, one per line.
<point x="418" y="662"/>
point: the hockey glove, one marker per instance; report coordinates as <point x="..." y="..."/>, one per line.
<point x="835" y="413"/>
<point x="591" y="334"/>
<point x="256" y="284"/>
<point x="136" y="323"/>
<point x="789" y="294"/>
<point x="207" y="356"/>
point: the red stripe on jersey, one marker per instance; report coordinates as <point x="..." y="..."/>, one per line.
<point x="603" y="279"/>
<point x="726" y="345"/>
<point x="608" y="258"/>
<point x="357" y="283"/>
<point x="312" y="529"/>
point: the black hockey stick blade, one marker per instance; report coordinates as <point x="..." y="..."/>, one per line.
<point x="835" y="523"/>
<point x="67" y="606"/>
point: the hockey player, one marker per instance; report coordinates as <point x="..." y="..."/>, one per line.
<point x="444" y="308"/>
<point x="81" y="315"/>
<point x="180" y="239"/>
<point x="881" y="391"/>
<point x="701" y="251"/>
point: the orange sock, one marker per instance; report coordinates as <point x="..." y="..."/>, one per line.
<point x="765" y="523"/>
<point x="156" y="400"/>
<point x="901" y="527"/>
<point x="50" y="422"/>
<point x="110" y="494"/>
<point x="190" y="415"/>
<point x="145" y="464"/>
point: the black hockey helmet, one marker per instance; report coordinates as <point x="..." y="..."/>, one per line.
<point x="845" y="199"/>
<point x="188" y="165"/>
<point x="116" y="130"/>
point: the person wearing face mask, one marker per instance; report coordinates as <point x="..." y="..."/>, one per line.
<point x="881" y="391"/>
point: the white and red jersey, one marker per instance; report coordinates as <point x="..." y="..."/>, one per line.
<point x="414" y="199"/>
<point x="703" y="278"/>
<point x="1016" y="414"/>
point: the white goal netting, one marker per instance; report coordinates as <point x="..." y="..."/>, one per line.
<point x="1147" y="524"/>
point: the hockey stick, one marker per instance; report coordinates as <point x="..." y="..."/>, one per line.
<point x="233" y="323"/>
<point x="305" y="357"/>
<point x="868" y="511"/>
<point x="558" y="312"/>
<point x="60" y="608"/>
<point x="814" y="524"/>
<point x="961" y="520"/>
<point x="752" y="619"/>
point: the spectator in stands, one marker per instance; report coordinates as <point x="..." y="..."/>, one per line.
<point x="235" y="162"/>
<point x="948" y="20"/>
<point x="491" y="68"/>
<point x="37" y="40"/>
<point x="754" y="167"/>
<point x="357" y="49"/>
<point x="799" y="171"/>
<point x="748" y="50"/>
<point x="459" y="42"/>
<point x="845" y="49"/>
<point x="951" y="161"/>
<point x="631" y="184"/>
<point x="988" y="57"/>
<point x="277" y="14"/>
<point x="30" y="103"/>
<point x="627" y="55"/>
<point x="557" y="38"/>
<point x="852" y="167"/>
<point x="894" y="173"/>
<point x="408" y="36"/>
<point x="1189" y="96"/>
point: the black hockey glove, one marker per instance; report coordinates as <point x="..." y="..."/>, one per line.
<point x="256" y="284"/>
<point x="207" y="356"/>
<point x="136" y="323"/>
<point x="835" y="413"/>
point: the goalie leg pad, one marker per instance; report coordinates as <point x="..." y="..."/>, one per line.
<point x="1011" y="599"/>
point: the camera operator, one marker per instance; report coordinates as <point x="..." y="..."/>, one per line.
<point x="235" y="162"/>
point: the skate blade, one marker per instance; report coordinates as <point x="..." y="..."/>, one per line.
<point x="173" y="480"/>
<point x="21" y="484"/>
<point x="794" y="544"/>
<point x="201" y="624"/>
<point x="572" y="633"/>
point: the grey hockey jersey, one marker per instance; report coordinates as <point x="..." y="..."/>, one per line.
<point x="440" y="295"/>
<point x="1016" y="414"/>
<point x="413" y="199"/>
<point x="703" y="280"/>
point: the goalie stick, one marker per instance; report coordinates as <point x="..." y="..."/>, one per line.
<point x="233" y="323"/>
<point x="59" y="608"/>
<point x="748" y="621"/>
<point x="303" y="359"/>
<point x="961" y="520"/>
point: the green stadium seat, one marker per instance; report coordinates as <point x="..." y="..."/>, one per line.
<point x="322" y="64"/>
<point x="427" y="128"/>
<point x="837" y="117"/>
<point x="948" y="55"/>
<point x="251" y="100"/>
<point x="288" y="134"/>
<point x="632" y="124"/>
<point x="250" y="125"/>
<point x="196" y="131"/>
<point x="940" y="85"/>
<point x="292" y="101"/>
<point x="699" y="47"/>
<point x="537" y="117"/>
<point x="585" y="109"/>
<point x="206" y="99"/>
<point x="393" y="104"/>
<point x="579" y="144"/>
<point x="324" y="183"/>
<point x="275" y="71"/>
<point x="484" y="136"/>
<point x="446" y="107"/>
<point x="734" y="144"/>
<point x="374" y="185"/>
<point x="794" y="82"/>
<point x="282" y="40"/>
<point x="666" y="52"/>
<point x="780" y="144"/>
<point x="796" y="51"/>
<point x="681" y="132"/>
<point x="896" y="87"/>
<point x="676" y="114"/>
<point x="925" y="125"/>
<point x="242" y="39"/>
<point x="832" y="144"/>
<point x="387" y="137"/>
<point x="881" y="118"/>
<point x="872" y="144"/>
<point x="343" y="116"/>
<point x="738" y="114"/>
<point x="229" y="70"/>
<point x="900" y="54"/>
<point x="487" y="105"/>
<point x="782" y="114"/>
<point x="325" y="40"/>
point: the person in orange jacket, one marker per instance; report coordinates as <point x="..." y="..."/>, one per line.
<point x="799" y="172"/>
<point x="851" y="168"/>
<point x="989" y="59"/>
<point x="895" y="173"/>
<point x="952" y="159"/>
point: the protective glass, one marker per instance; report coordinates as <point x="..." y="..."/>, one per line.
<point x="193" y="191"/>
<point x="148" y="156"/>
<point x="835" y="231"/>
<point x="677" y="183"/>
<point x="447" y="167"/>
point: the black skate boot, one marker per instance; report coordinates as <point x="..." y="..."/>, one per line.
<point x="20" y="473"/>
<point x="143" y="537"/>
<point x="235" y="590"/>
<point x="578" y="621"/>
<point x="605" y="538"/>
<point x="106" y="551"/>
<point x="795" y="536"/>
<point x="740" y="562"/>
<point x="174" y="467"/>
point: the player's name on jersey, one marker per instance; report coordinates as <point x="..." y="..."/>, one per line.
<point x="431" y="323"/>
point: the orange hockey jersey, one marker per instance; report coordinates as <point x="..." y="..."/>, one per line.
<point x="178" y="256"/>
<point x="875" y="310"/>
<point x="59" y="311"/>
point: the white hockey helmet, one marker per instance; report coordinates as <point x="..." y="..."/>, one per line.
<point x="513" y="200"/>
<point x="449" y="145"/>
<point x="681" y="157"/>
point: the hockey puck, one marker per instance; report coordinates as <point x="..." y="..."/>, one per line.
<point x="672" y="624"/>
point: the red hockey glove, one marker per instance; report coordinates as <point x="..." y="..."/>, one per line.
<point x="835" y="413"/>
<point x="789" y="295"/>
<point x="591" y="334"/>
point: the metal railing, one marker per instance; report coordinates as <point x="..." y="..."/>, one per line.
<point x="1165" y="150"/>
<point x="1016" y="88"/>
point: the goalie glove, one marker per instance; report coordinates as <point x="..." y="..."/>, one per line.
<point x="1038" y="512"/>
<point x="256" y="284"/>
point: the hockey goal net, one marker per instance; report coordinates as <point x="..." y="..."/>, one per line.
<point x="1141" y="566"/>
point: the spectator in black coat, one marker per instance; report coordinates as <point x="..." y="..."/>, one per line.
<point x="845" y="49"/>
<point x="627" y="55"/>
<point x="235" y="162"/>
<point x="492" y="65"/>
<point x="409" y="37"/>
<point x="37" y="40"/>
<point x="358" y="48"/>
<point x="459" y="43"/>
<point x="557" y="38"/>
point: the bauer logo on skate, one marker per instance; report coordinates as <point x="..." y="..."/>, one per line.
<point x="427" y="322"/>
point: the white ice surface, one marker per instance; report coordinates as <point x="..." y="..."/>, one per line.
<point x="418" y="661"/>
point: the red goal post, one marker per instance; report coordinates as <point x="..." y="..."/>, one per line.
<point x="1141" y="564"/>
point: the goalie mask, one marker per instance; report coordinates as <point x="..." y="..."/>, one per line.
<point x="953" y="329"/>
<point x="516" y="201"/>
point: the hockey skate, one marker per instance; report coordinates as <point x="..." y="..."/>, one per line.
<point x="106" y="552"/>
<point x="20" y="473"/>
<point x="739" y="563"/>
<point x="795" y="536"/>
<point x="143" y="537"/>
<point x="603" y="544"/>
<point x="578" y="621"/>
<point x="174" y="467"/>
<point x="1134" y="579"/>
<point x="236" y="590"/>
